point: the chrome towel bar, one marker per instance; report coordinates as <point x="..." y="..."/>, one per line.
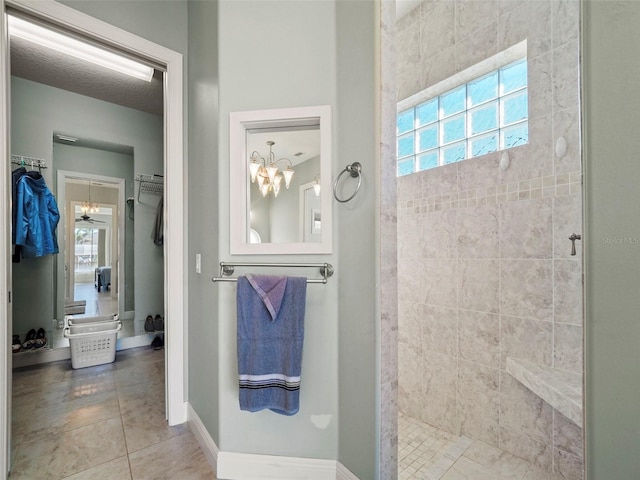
<point x="227" y="269"/>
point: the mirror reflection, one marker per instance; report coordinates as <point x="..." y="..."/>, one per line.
<point x="280" y="179"/>
<point x="284" y="167"/>
<point x="91" y="251"/>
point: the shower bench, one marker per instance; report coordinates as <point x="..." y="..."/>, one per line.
<point x="559" y="388"/>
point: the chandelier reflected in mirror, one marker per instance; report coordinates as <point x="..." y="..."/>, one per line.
<point x="267" y="172"/>
<point x="88" y="206"/>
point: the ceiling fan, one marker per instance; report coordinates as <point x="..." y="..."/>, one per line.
<point x="86" y="218"/>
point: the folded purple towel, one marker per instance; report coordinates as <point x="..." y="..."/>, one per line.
<point x="271" y="290"/>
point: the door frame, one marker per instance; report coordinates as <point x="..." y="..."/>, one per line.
<point x="175" y="202"/>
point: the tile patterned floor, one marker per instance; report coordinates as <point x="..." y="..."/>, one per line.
<point x="427" y="453"/>
<point x="104" y="422"/>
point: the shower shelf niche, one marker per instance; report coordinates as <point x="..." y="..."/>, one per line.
<point x="559" y="388"/>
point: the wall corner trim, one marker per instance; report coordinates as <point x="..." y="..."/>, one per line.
<point x="241" y="466"/>
<point x="343" y="473"/>
<point x="208" y="446"/>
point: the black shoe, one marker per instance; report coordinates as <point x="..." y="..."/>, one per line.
<point x="29" y="340"/>
<point x="157" y="343"/>
<point x="40" y="340"/>
<point x="148" y="324"/>
<point x="158" y="323"/>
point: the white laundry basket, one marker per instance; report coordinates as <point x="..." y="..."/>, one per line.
<point x="92" y="340"/>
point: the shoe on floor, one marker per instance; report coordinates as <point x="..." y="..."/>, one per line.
<point x="29" y="340"/>
<point x="40" y="340"/>
<point x="158" y="323"/>
<point x="156" y="344"/>
<point x="148" y="324"/>
<point x="16" y="345"/>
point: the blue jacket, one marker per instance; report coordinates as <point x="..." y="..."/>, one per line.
<point x="37" y="217"/>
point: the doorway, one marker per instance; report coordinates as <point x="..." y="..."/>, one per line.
<point x="174" y="172"/>
<point x="92" y="256"/>
<point x="498" y="318"/>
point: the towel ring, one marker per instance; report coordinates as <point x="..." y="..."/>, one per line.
<point x="355" y="170"/>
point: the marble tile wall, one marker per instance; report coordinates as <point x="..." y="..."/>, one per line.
<point x="388" y="467"/>
<point x="484" y="264"/>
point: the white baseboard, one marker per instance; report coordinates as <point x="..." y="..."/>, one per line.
<point x="247" y="466"/>
<point x="207" y="444"/>
<point x="46" y="355"/>
<point x="136" y="341"/>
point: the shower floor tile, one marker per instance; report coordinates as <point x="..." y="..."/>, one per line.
<point x="428" y="453"/>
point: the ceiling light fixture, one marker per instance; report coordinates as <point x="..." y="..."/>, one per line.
<point x="316" y="185"/>
<point x="89" y="207"/>
<point x="66" y="138"/>
<point x="267" y="173"/>
<point x="70" y="46"/>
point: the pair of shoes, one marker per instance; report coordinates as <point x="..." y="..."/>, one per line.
<point x="148" y="324"/>
<point x="34" y="340"/>
<point x="16" y="345"/>
<point x="157" y="343"/>
<point x="40" y="340"/>
<point x="158" y="323"/>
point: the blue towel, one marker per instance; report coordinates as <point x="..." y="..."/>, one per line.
<point x="270" y="336"/>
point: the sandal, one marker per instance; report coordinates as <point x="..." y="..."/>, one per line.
<point x="148" y="324"/>
<point x="29" y="340"/>
<point x="158" y="324"/>
<point x="16" y="345"/>
<point x="40" y="340"/>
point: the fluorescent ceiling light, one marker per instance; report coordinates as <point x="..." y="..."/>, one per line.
<point x="75" y="48"/>
<point x="66" y="138"/>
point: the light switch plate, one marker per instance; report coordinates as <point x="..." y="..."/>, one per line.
<point x="198" y="263"/>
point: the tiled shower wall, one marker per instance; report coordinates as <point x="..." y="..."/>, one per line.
<point x="484" y="264"/>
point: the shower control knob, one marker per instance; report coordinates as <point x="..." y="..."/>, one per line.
<point x="573" y="237"/>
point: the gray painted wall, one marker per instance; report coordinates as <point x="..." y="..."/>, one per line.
<point x="612" y="114"/>
<point x="358" y="239"/>
<point x="339" y="360"/>
<point x="288" y="61"/>
<point x="37" y="111"/>
<point x="161" y="21"/>
<point x="204" y="213"/>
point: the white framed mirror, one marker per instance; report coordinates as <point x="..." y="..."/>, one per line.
<point x="280" y="188"/>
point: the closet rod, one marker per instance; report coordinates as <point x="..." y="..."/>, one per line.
<point x="227" y="269"/>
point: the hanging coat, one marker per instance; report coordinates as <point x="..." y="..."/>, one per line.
<point x="15" y="176"/>
<point x="37" y="217"/>
<point x="157" y="235"/>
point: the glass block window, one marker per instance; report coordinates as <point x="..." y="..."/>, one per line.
<point x="484" y="115"/>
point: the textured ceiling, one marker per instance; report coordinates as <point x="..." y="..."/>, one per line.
<point x="43" y="65"/>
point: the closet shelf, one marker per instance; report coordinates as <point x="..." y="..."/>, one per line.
<point x="28" y="161"/>
<point x="151" y="184"/>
